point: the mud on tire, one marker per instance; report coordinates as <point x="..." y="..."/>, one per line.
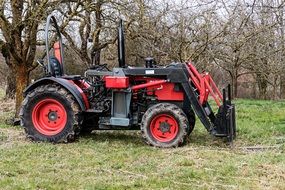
<point x="50" y="113"/>
<point x="165" y="125"/>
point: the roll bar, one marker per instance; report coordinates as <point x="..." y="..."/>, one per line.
<point x="52" y="20"/>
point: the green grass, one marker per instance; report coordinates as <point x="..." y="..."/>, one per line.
<point x="120" y="160"/>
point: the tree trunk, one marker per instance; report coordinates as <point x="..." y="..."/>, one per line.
<point x="234" y="78"/>
<point x="254" y="93"/>
<point x="96" y="56"/>
<point x="235" y="87"/>
<point x="275" y="86"/>
<point x="86" y="60"/>
<point x="262" y="86"/>
<point x="22" y="81"/>
<point x="282" y="86"/>
<point x="11" y="85"/>
<point x="10" y="79"/>
<point x="282" y="39"/>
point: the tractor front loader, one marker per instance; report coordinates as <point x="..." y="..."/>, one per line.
<point x="161" y="101"/>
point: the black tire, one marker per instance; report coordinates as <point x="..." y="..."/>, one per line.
<point x="191" y="119"/>
<point x="69" y="123"/>
<point x="170" y="112"/>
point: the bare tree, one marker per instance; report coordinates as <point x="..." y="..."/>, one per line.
<point x="19" y="22"/>
<point x="96" y="23"/>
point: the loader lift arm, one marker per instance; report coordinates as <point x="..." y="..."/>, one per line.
<point x="197" y="89"/>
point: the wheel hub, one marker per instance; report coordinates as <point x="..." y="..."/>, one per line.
<point x="164" y="126"/>
<point x="52" y="116"/>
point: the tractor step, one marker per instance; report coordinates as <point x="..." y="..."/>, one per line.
<point x="113" y="123"/>
<point x="93" y="111"/>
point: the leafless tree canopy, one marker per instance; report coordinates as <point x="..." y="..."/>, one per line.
<point x="240" y="41"/>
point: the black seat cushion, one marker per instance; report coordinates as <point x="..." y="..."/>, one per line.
<point x="56" y="69"/>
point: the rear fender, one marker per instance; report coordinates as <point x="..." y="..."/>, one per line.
<point x="69" y="85"/>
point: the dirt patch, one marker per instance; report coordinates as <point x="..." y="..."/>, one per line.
<point x="260" y="148"/>
<point x="11" y="136"/>
<point x="7" y="105"/>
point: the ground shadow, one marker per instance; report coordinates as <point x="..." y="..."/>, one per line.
<point x="133" y="137"/>
<point x="116" y="136"/>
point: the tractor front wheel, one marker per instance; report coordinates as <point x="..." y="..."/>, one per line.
<point x="50" y="113"/>
<point x="165" y="125"/>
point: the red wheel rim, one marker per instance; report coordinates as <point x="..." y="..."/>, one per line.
<point x="164" y="127"/>
<point x="49" y="117"/>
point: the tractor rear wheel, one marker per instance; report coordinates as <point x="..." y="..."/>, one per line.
<point x="50" y="113"/>
<point x="164" y="125"/>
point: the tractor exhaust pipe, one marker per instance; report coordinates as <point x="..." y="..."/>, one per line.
<point x="121" y="45"/>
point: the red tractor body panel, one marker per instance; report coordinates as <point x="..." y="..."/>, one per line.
<point x="166" y="92"/>
<point x="117" y="82"/>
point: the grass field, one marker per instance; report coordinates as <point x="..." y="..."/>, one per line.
<point x="120" y="160"/>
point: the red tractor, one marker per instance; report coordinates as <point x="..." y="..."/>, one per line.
<point x="161" y="101"/>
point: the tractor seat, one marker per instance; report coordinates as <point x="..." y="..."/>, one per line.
<point x="56" y="69"/>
